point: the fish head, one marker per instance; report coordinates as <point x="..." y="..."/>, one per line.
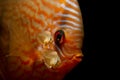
<point x="60" y="47"/>
<point x="44" y="38"/>
<point x="61" y="42"/>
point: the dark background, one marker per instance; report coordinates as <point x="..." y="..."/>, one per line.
<point x="88" y="69"/>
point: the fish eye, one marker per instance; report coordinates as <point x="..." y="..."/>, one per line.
<point x="59" y="37"/>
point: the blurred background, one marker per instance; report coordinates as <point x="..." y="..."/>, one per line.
<point x="88" y="68"/>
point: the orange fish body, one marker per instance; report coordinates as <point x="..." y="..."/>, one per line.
<point x="39" y="39"/>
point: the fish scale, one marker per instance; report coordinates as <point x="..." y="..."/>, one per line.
<point x="28" y="22"/>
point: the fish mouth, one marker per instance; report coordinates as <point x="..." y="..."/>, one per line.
<point x="77" y="57"/>
<point x="54" y="58"/>
<point x="67" y="64"/>
<point x="56" y="62"/>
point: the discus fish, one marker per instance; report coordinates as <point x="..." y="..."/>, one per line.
<point x="39" y="39"/>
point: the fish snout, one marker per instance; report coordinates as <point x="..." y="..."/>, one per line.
<point x="78" y="57"/>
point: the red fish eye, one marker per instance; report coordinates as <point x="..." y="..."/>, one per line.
<point x="59" y="37"/>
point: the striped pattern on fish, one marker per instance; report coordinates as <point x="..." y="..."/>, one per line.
<point x="28" y="23"/>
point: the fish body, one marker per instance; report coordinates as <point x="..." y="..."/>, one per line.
<point x="39" y="39"/>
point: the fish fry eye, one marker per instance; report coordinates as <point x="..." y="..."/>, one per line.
<point x="59" y="37"/>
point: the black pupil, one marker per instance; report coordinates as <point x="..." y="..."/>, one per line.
<point x="58" y="37"/>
